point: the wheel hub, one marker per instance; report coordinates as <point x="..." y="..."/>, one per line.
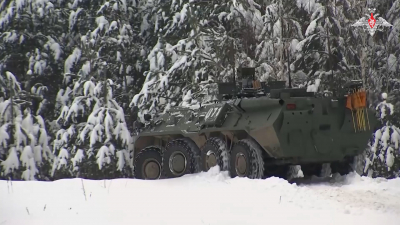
<point x="177" y="163"/>
<point x="211" y="160"/>
<point x="241" y="165"/>
<point x="151" y="169"/>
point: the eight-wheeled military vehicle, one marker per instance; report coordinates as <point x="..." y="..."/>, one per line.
<point x="259" y="132"/>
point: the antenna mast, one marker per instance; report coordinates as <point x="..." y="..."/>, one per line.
<point x="288" y="64"/>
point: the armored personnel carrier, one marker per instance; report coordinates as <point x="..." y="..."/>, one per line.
<point x="259" y="132"/>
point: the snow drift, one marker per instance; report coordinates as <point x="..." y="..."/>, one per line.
<point x="205" y="198"/>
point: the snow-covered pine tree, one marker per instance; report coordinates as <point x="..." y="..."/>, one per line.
<point x="31" y="44"/>
<point x="231" y="31"/>
<point x="372" y="58"/>
<point x="32" y="48"/>
<point x="383" y="76"/>
<point x="123" y="46"/>
<point x="393" y="60"/>
<point x="207" y="34"/>
<point x="23" y="137"/>
<point x="320" y="54"/>
<point x="383" y="158"/>
<point x="94" y="141"/>
<point x="195" y="37"/>
<point x="280" y="36"/>
<point x="171" y="66"/>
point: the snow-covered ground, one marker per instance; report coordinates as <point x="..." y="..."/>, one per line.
<point x="206" y="198"/>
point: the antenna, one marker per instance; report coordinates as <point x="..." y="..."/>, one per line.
<point x="234" y="81"/>
<point x="288" y="64"/>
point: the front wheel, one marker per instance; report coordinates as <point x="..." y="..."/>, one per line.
<point x="148" y="163"/>
<point x="246" y="160"/>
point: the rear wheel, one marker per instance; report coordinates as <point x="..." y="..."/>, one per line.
<point x="246" y="160"/>
<point x="213" y="153"/>
<point x="148" y="163"/>
<point x="180" y="158"/>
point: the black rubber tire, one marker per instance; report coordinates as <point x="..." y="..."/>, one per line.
<point x="196" y="154"/>
<point x="151" y="152"/>
<point x="253" y="156"/>
<point x="188" y="150"/>
<point x="219" y="148"/>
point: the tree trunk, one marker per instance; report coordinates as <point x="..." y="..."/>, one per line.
<point x="362" y="62"/>
<point x="126" y="83"/>
<point x="363" y="58"/>
<point x="282" y="42"/>
<point x="288" y="64"/>
<point x="331" y="80"/>
<point x="387" y="69"/>
<point x="12" y="113"/>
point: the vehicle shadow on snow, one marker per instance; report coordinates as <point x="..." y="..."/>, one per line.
<point x="316" y="180"/>
<point x="333" y="179"/>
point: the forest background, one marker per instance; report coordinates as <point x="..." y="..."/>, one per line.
<point x="76" y="74"/>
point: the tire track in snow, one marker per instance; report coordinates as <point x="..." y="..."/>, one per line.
<point x="355" y="192"/>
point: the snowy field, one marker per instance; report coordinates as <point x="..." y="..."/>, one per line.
<point x="206" y="198"/>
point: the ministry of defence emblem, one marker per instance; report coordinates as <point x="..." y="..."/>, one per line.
<point x="371" y="25"/>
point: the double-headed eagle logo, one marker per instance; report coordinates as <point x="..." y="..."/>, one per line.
<point x="371" y="24"/>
